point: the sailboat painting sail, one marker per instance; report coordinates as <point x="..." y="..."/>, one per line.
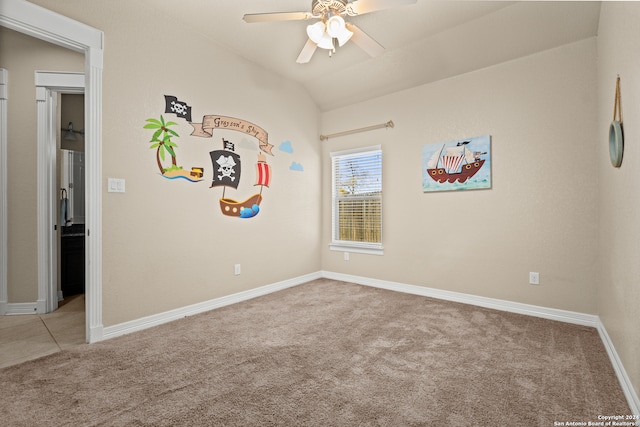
<point x="457" y="165"/>
<point x="227" y="172"/>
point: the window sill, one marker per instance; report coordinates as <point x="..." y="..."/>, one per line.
<point x="357" y="248"/>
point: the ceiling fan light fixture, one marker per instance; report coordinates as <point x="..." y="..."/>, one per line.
<point x="344" y="37"/>
<point x="326" y="42"/>
<point x="332" y="30"/>
<point x="319" y="36"/>
<point x="316" y="31"/>
<point x="335" y="26"/>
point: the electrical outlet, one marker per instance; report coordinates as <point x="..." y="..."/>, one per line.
<point x="534" y="278"/>
<point x="346" y="256"/>
<point x="236" y="269"/>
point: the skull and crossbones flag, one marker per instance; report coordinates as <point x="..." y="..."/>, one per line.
<point x="226" y="168"/>
<point x="179" y="108"/>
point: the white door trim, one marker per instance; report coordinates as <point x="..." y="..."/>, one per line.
<point x="48" y="85"/>
<point x="4" y="96"/>
<point x="38" y="22"/>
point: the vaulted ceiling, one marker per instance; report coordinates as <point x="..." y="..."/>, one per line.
<point x="424" y="42"/>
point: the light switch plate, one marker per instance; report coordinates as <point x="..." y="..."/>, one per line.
<point x="115" y="185"/>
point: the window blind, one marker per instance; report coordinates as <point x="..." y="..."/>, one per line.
<point x="357" y="197"/>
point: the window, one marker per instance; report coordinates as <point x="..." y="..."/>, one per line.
<point x="357" y="200"/>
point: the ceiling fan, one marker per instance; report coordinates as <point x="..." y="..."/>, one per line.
<point x="331" y="29"/>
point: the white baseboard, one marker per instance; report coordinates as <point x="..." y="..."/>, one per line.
<point x="503" y="305"/>
<point x="21" y="308"/>
<point x="621" y="373"/>
<point x="190" y="310"/>
<point x="41" y="306"/>
<point x="95" y="334"/>
<point x="513" y="307"/>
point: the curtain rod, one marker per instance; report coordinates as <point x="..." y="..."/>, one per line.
<point x="388" y="124"/>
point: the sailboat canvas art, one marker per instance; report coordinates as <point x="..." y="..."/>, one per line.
<point x="463" y="164"/>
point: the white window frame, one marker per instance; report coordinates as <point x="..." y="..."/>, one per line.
<point x="347" y="245"/>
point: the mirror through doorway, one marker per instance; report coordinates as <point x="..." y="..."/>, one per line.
<point x="71" y="219"/>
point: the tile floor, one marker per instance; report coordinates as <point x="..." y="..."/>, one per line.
<point x="29" y="336"/>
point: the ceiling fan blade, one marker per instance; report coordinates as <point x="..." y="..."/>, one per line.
<point x="307" y="52"/>
<point x="280" y="16"/>
<point x="359" y="7"/>
<point x="364" y="41"/>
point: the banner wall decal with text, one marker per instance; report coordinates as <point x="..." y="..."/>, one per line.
<point x="211" y="122"/>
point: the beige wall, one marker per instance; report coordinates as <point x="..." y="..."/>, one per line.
<point x="619" y="203"/>
<point x="21" y="55"/>
<point x="540" y="215"/>
<point x="165" y="243"/>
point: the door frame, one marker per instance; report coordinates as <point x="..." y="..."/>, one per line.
<point x="41" y="23"/>
<point x="48" y="85"/>
<point x="4" y="97"/>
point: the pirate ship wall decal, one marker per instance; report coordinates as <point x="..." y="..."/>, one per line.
<point x="226" y="163"/>
<point x="457" y="165"/>
<point x="287" y="147"/>
<point x="228" y="174"/>
<point x="213" y="122"/>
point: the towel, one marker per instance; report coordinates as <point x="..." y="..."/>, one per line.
<point x="64" y="208"/>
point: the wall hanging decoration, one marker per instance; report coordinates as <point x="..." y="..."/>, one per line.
<point x="616" y="136"/>
<point x="457" y="165"/>
<point x="212" y="122"/>
<point x="227" y="172"/>
<point x="287" y="147"/>
<point x="295" y="166"/>
<point x="161" y="141"/>
<point x="227" y="165"/>
<point x="179" y="108"/>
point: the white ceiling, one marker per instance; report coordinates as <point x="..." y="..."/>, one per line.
<point x="424" y="42"/>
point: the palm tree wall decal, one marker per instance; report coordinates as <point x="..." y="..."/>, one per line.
<point x="161" y="140"/>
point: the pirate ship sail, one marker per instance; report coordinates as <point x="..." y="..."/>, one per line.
<point x="454" y="163"/>
<point x="227" y="171"/>
<point x="263" y="172"/>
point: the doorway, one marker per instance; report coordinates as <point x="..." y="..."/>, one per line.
<point x="71" y="218"/>
<point x="50" y="87"/>
<point x="46" y="25"/>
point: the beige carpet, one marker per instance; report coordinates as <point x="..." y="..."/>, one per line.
<point x="325" y="353"/>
